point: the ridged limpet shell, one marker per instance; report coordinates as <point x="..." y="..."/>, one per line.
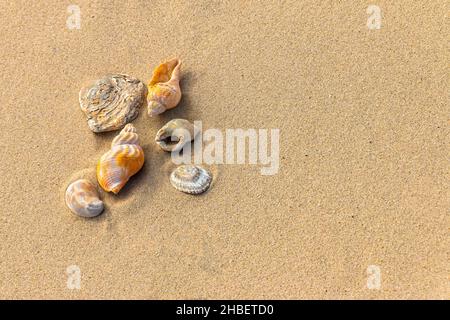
<point x="83" y="200"/>
<point x="191" y="179"/>
<point x="112" y="101"/>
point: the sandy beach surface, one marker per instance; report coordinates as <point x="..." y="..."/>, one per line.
<point x="358" y="208"/>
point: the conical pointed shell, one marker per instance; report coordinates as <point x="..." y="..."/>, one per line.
<point x="191" y="179"/>
<point x="82" y="199"/>
<point x="118" y="165"/>
<point x="112" y="101"/>
<point x="128" y="135"/>
<point x="164" y="90"/>
<point x="122" y="161"/>
<point x="175" y="134"/>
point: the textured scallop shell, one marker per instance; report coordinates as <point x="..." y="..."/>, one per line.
<point x="164" y="90"/>
<point x="175" y="134"/>
<point x="82" y="198"/>
<point x="112" y="102"/>
<point x="123" y="160"/>
<point x="191" y="179"/>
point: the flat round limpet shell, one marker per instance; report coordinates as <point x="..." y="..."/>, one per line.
<point x="164" y="90"/>
<point x="191" y="179"/>
<point x="112" y="101"/>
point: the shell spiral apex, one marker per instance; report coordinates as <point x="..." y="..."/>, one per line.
<point x="128" y="135"/>
<point x="112" y="101"/>
<point x="123" y="160"/>
<point x="191" y="179"/>
<point x="164" y="90"/>
<point x="83" y="200"/>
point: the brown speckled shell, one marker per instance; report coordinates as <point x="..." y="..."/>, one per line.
<point x="112" y="101"/>
<point x="175" y="134"/>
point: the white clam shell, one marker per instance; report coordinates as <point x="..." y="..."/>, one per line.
<point x="191" y="179"/>
<point x="175" y="134"/>
<point x="82" y="198"/>
<point x="112" y="101"/>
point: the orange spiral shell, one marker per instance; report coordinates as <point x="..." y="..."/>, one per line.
<point x="164" y="90"/>
<point x="123" y="160"/>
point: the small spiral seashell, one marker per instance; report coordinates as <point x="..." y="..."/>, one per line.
<point x="164" y="90"/>
<point x="123" y="160"/>
<point x="82" y="198"/>
<point x="128" y="135"/>
<point x="175" y="134"/>
<point x="191" y="179"/>
<point x="112" y="101"/>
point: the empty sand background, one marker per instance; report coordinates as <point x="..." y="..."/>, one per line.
<point x="364" y="144"/>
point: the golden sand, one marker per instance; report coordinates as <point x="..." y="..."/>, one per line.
<point x="364" y="140"/>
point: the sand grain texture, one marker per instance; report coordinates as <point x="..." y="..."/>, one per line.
<point x="363" y="180"/>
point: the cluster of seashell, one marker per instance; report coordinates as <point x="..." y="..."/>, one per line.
<point x="164" y="93"/>
<point x="172" y="137"/>
<point x="113" y="101"/>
